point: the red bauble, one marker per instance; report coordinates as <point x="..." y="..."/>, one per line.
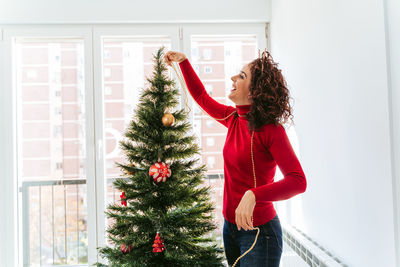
<point x="123" y="199"/>
<point x="160" y="171"/>
<point x="158" y="245"/>
<point x="126" y="249"/>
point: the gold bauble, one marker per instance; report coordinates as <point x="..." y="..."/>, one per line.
<point x="168" y="119"/>
<point x="129" y="172"/>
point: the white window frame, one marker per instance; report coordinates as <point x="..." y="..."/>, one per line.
<point x="12" y="237"/>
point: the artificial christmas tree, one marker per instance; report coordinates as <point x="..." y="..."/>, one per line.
<point x="164" y="212"/>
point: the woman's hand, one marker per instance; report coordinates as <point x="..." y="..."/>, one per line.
<point x="172" y="56"/>
<point x="244" y="211"/>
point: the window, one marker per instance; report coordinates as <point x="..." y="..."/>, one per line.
<point x="107" y="90"/>
<point x="31" y="74"/>
<point x="73" y="92"/>
<point x="106" y="54"/>
<point x="127" y="54"/>
<point x="197" y="110"/>
<point x="107" y="72"/>
<point x="129" y="63"/>
<point x="57" y="130"/>
<point x="210" y="141"/>
<point x="51" y="123"/>
<point x="207" y="54"/>
<point x="207" y="69"/>
<point x="195" y="52"/>
<point x="210" y="123"/>
<point x="210" y="161"/>
<point x="209" y="88"/>
<point x="58" y="111"/>
<point x="196" y="69"/>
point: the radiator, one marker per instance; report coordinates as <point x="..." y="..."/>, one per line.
<point x="309" y="250"/>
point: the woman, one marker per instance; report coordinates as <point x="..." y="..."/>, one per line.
<point x="256" y="143"/>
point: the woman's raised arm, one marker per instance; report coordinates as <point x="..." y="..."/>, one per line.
<point x="200" y="95"/>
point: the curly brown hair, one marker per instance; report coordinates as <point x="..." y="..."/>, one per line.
<point x="269" y="92"/>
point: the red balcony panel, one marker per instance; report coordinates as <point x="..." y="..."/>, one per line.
<point x="69" y="76"/>
<point x="36" y="148"/>
<point x="35" y="93"/>
<point x="35" y="111"/>
<point x="36" y="130"/>
<point x="34" y="55"/>
<point x="38" y="167"/>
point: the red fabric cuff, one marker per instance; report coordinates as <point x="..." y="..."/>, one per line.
<point x="256" y="193"/>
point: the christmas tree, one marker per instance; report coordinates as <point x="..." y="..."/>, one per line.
<point x="165" y="212"/>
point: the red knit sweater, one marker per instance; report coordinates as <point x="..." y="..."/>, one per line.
<point x="271" y="147"/>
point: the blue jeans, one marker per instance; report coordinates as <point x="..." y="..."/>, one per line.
<point x="266" y="252"/>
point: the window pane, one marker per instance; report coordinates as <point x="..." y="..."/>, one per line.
<point x="216" y="59"/>
<point x="51" y="148"/>
<point x="127" y="62"/>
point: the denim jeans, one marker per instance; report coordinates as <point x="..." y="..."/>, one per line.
<point x="266" y="252"/>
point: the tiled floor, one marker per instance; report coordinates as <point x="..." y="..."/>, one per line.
<point x="289" y="258"/>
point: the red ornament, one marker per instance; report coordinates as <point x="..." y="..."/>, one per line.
<point x="160" y="171"/>
<point x="158" y="245"/>
<point x="123" y="198"/>
<point x="126" y="249"/>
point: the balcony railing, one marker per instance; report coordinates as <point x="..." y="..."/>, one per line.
<point x="49" y="237"/>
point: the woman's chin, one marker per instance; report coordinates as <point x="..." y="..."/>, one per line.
<point x="233" y="100"/>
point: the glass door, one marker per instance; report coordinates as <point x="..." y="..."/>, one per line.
<point x="124" y="60"/>
<point x="51" y="104"/>
<point x="217" y="53"/>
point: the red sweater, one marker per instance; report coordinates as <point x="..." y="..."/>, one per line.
<point x="271" y="147"/>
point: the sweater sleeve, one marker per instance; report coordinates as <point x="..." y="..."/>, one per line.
<point x="200" y="95"/>
<point x="294" y="181"/>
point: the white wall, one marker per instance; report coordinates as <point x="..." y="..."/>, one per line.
<point x="91" y="11"/>
<point x="333" y="55"/>
<point x="392" y="23"/>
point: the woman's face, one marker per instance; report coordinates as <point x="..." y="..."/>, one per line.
<point x="240" y="94"/>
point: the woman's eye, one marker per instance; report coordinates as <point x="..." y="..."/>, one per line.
<point x="240" y="75"/>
